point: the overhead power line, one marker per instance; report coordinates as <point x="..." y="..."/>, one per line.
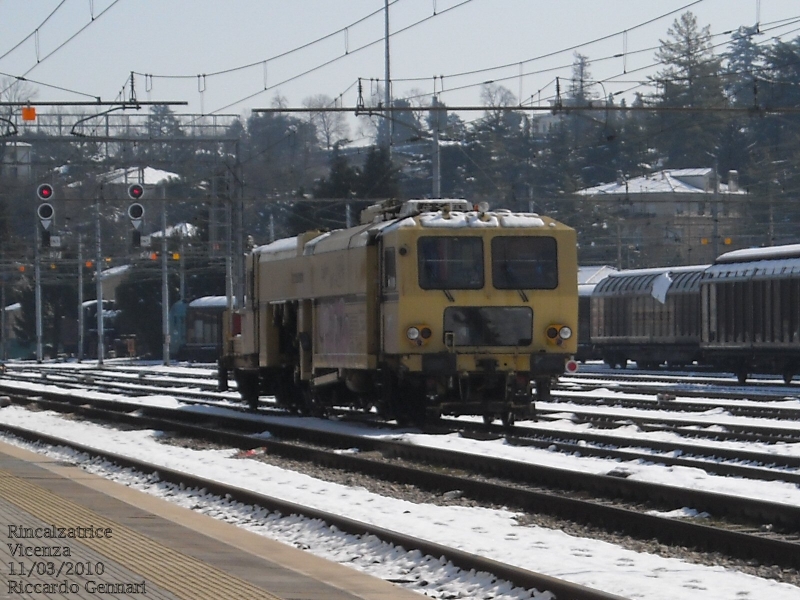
<point x="67" y="41"/>
<point x="341" y="56"/>
<point x="35" y="32"/>
<point x="377" y="110"/>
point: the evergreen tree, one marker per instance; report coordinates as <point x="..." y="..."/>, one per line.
<point x="691" y="77"/>
<point x="379" y="176"/>
<point x="342" y="181"/>
<point x="744" y="60"/>
<point x="580" y="90"/>
<point x="163" y="123"/>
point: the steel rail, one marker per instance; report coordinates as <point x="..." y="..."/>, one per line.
<point x="747" y="544"/>
<point x="564" y="590"/>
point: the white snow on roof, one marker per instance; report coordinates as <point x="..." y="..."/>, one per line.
<point x="500" y="218"/>
<point x="658" y="270"/>
<point x="456" y="220"/>
<point x="668" y="181"/>
<point x="209" y="302"/>
<point x="282" y="245"/>
<point x="114" y="271"/>
<point x="755" y="269"/>
<point x="146" y="176"/>
<point x="589" y="277"/>
<point x="594" y="274"/>
<point x="771" y="252"/>
<point x="180" y="230"/>
<point x="509" y="219"/>
<point x="389" y="226"/>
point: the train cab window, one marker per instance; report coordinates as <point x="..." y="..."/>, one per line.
<point x="524" y="263"/>
<point x="389" y="269"/>
<point x="450" y="263"/>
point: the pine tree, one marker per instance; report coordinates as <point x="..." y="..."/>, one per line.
<point x="379" y="176"/>
<point x="691" y="78"/>
<point x="342" y="181"/>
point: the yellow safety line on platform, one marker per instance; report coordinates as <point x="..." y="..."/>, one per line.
<point x="183" y="575"/>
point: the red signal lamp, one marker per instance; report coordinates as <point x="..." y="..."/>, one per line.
<point x="135" y="191"/>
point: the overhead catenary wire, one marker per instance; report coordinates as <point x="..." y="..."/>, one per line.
<point x="277" y="56"/>
<point x="612" y="79"/>
<point x="34" y="34"/>
<point x="338" y="58"/>
<point x="39" y="61"/>
<point x="560" y="51"/>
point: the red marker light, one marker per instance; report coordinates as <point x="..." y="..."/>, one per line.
<point x="135" y="191"/>
<point x="44" y="191"/>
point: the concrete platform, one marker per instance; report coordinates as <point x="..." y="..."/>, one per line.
<point x="121" y="543"/>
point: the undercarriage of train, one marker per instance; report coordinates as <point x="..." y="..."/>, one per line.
<point x="409" y="398"/>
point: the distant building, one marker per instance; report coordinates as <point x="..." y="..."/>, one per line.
<point x="10" y="346"/>
<point x="149" y="177"/>
<point x="16" y="162"/>
<point x="117" y="181"/>
<point x="111" y="278"/>
<point x="667" y="218"/>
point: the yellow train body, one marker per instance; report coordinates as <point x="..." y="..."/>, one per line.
<point x="428" y="306"/>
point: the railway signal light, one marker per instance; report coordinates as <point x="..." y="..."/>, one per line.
<point x="136" y="214"/>
<point x="135" y="191"/>
<point x="45" y="212"/>
<point x="135" y="211"/>
<point x="45" y="191"/>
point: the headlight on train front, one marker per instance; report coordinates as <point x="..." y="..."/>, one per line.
<point x="419" y="334"/>
<point x="558" y="334"/>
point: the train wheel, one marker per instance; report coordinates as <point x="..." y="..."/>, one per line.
<point x="222" y="379"/>
<point x="543" y="390"/>
<point x="508" y="418"/>
<point x="488" y="418"/>
<point x="247" y="383"/>
<point x="741" y="376"/>
<point x="788" y="375"/>
<point x="411" y="409"/>
<point x="285" y="391"/>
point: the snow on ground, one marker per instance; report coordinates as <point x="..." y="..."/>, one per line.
<point x="678" y="476"/>
<point x="492" y="533"/>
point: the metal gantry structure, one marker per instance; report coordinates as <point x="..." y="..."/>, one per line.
<point x="112" y="132"/>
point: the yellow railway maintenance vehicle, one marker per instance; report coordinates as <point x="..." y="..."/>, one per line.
<point x="428" y="307"/>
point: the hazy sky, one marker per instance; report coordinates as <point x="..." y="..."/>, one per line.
<point x="188" y="38"/>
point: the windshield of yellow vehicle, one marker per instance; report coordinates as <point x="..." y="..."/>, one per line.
<point x="524" y="262"/>
<point x="450" y="263"/>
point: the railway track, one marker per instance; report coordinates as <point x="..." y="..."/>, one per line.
<point x="762" y="465"/>
<point x="516" y="576"/>
<point x="689" y="384"/>
<point x="744" y="528"/>
<point x="608" y="446"/>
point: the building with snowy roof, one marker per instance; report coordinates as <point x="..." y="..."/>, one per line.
<point x="668" y="218"/>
